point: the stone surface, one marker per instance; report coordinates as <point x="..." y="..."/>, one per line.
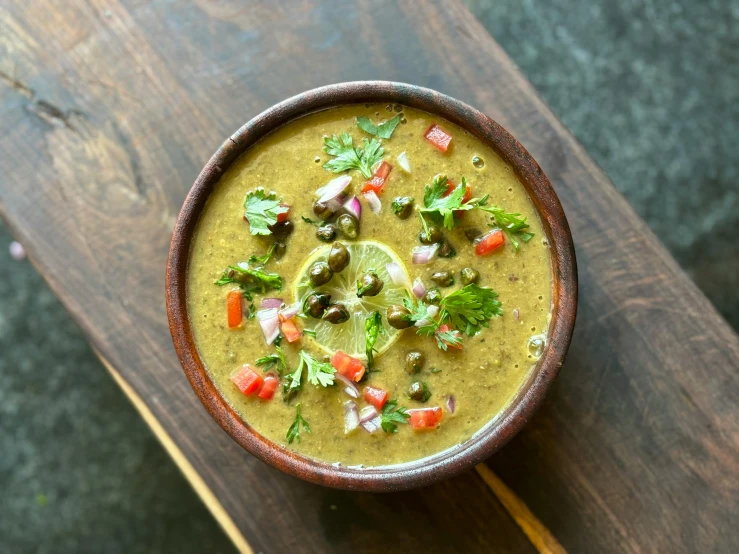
<point x="649" y="87"/>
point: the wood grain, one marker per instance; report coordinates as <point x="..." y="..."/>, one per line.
<point x="109" y="109"/>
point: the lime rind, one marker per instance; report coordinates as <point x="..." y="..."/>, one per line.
<point x="349" y="337"/>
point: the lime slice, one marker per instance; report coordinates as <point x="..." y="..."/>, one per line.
<point x="349" y="337"/>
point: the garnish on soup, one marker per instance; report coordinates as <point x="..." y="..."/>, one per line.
<point x="361" y="306"/>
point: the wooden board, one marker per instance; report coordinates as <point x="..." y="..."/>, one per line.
<point x="109" y="109"/>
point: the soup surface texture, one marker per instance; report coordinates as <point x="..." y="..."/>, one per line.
<point x="482" y="376"/>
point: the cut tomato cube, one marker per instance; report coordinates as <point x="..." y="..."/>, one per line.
<point x="289" y="330"/>
<point x="349" y="367"/>
<point x="377" y="182"/>
<point x="489" y="242"/>
<point x="247" y="379"/>
<point x="283" y="217"/>
<point x="376" y="397"/>
<point x="438" y="137"/>
<point x="271" y="382"/>
<point x="425" y="418"/>
<point x="235" y="308"/>
<point x="383" y="170"/>
<point x="375" y="185"/>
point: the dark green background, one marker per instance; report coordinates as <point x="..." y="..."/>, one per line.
<point x="647" y="86"/>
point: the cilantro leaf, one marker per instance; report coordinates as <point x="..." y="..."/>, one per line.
<point x="372" y="328"/>
<point x="293" y="432"/>
<point x="511" y="223"/>
<point x="309" y="332"/>
<point x="262" y="260"/>
<point x="391" y="416"/>
<point x="250" y="280"/>
<point x="426" y="391"/>
<point x="292" y="383"/>
<point x="319" y="373"/>
<point x="261" y="210"/>
<point x="448" y="337"/>
<point x="470" y="308"/>
<point x="418" y="310"/>
<point x="274" y="361"/>
<point x="442" y="205"/>
<point x="383" y="130"/>
<point x="347" y="156"/>
<point x="309" y="220"/>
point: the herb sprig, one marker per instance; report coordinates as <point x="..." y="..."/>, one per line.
<point x="293" y="433"/>
<point x="261" y="210"/>
<point x="262" y="260"/>
<point x="319" y="373"/>
<point x="441" y="205"/>
<point x="372" y="329"/>
<point x="250" y="280"/>
<point x="391" y="416"/>
<point x="512" y="224"/>
<point x="383" y="130"/>
<point x="347" y="156"/>
<point x="273" y="361"/>
<point x="465" y="310"/>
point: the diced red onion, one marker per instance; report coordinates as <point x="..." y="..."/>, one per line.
<point x="418" y="288"/>
<point x="268" y="303"/>
<point x="269" y="322"/>
<point x="353" y="207"/>
<point x="516" y="314"/>
<point x="375" y="205"/>
<point x="424" y="254"/>
<point x="432" y="310"/>
<point x="367" y="413"/>
<point x="397" y="275"/>
<point x="351" y="416"/>
<point x="17" y="252"/>
<point x="404" y="162"/>
<point x="350" y="388"/>
<point x="289" y="311"/>
<point x="333" y="188"/>
<point x="372" y="425"/>
<point x="451" y="403"/>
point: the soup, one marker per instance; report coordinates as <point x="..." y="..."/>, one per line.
<point x="369" y="285"/>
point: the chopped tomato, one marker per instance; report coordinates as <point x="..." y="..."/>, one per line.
<point x="425" y="418"/>
<point x="489" y="242"/>
<point x="271" y="382"/>
<point x="290" y="330"/>
<point x="283" y="217"/>
<point x="438" y="137"/>
<point x="383" y="170"/>
<point x="377" y="182"/>
<point x="444" y="328"/>
<point x="375" y="185"/>
<point x="349" y="367"/>
<point x="376" y="397"/>
<point x="235" y="308"/>
<point x="467" y="193"/>
<point x="247" y="379"/>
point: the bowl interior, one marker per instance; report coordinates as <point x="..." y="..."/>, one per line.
<point x="564" y="289"/>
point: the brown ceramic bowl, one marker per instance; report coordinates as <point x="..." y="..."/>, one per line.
<point x="564" y="282"/>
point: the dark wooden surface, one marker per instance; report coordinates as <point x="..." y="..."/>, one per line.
<point x="109" y="109"/>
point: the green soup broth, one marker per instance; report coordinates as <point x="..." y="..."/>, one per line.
<point x="484" y="376"/>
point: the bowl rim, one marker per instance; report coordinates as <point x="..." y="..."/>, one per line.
<point x="529" y="397"/>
